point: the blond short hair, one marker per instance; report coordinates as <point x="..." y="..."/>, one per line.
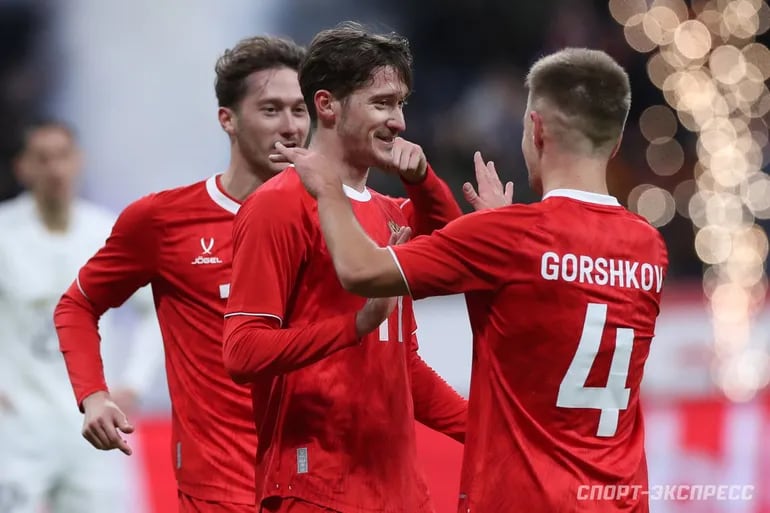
<point x="584" y="96"/>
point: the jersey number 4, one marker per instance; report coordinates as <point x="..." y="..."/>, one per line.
<point x="609" y="399"/>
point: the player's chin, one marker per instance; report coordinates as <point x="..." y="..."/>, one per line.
<point x="278" y="166"/>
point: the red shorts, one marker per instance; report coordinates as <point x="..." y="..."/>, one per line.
<point x="189" y="504"/>
<point x="291" y="505"/>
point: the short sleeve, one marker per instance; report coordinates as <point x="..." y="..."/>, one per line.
<point x="472" y="253"/>
<point x="128" y="259"/>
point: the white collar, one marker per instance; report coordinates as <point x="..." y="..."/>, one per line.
<point x="219" y="197"/>
<point x="353" y="194"/>
<point x="585" y="196"/>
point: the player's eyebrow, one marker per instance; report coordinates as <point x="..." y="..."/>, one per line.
<point x="391" y="95"/>
<point x="280" y="101"/>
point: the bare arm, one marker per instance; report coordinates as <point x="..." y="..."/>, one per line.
<point x="114" y="273"/>
<point x="363" y="267"/>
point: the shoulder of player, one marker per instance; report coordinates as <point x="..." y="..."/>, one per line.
<point x="643" y="225"/>
<point x="518" y="214"/>
<point x="282" y="194"/>
<point x="185" y="195"/>
<point x="169" y="203"/>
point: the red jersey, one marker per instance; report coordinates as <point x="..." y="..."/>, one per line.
<point x="335" y="414"/>
<point x="180" y="242"/>
<point x="562" y="297"/>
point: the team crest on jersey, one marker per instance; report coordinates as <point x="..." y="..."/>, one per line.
<point x="206" y="257"/>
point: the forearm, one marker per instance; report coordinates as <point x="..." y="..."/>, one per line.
<point x="432" y="204"/>
<point x="436" y="404"/>
<point x="349" y="245"/>
<point x="362" y="267"/>
<point x="77" y="321"/>
<point x="255" y="346"/>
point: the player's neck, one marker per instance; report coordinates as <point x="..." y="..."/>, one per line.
<point x="574" y="172"/>
<point x="352" y="175"/>
<point x="54" y="216"/>
<point x="239" y="181"/>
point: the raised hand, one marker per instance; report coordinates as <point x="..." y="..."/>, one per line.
<point x="407" y="159"/>
<point x="315" y="170"/>
<point x="491" y="193"/>
<point x="103" y="422"/>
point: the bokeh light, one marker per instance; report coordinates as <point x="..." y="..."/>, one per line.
<point x="657" y="123"/>
<point x="692" y="39"/>
<point x="713" y="75"/>
<point x="665" y="156"/>
<point x="656" y="205"/>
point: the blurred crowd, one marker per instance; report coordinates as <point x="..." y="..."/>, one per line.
<point x="469" y="92"/>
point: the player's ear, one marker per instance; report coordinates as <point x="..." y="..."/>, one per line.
<point x="227" y="120"/>
<point x="326" y="107"/>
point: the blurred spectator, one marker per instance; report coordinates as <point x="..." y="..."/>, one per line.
<point x="49" y="233"/>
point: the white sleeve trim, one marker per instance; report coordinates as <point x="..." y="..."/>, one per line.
<point x="251" y="314"/>
<point x="80" y="288"/>
<point x="400" y="269"/>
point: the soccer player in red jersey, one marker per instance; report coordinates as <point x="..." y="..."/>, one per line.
<point x="562" y="295"/>
<point x="180" y="242"/>
<point x="335" y="399"/>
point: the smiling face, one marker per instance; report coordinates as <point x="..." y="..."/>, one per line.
<point x="273" y="110"/>
<point x="372" y="116"/>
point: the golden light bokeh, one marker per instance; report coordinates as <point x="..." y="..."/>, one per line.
<point x="713" y="244"/>
<point x="665" y="156"/>
<point x="657" y="123"/>
<point x="656" y="205"/>
<point x="682" y="194"/>
<point x="623" y="10"/>
<point x="696" y="208"/>
<point x="692" y="39"/>
<point x="725" y="210"/>
<point x="712" y="20"/>
<point x="741" y="19"/>
<point x="659" y="24"/>
<point x="727" y="64"/>
<point x="658" y="69"/>
<point x="713" y="74"/>
<point x="636" y="35"/>
<point x="759" y="56"/>
<point x="755" y="193"/>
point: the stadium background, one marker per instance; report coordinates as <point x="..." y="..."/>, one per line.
<point x="136" y="81"/>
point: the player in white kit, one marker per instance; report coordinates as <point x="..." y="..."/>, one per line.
<point x="45" y="236"/>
